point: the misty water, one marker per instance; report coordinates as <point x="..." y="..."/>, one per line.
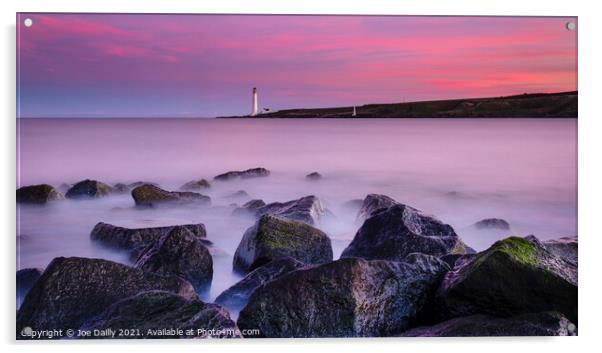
<point x="461" y="170"/>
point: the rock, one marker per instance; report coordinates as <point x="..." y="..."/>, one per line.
<point x="248" y="208"/>
<point x="249" y="173"/>
<point x="514" y="276"/>
<point x="38" y="194"/>
<point x="73" y="290"/>
<point x="139" y="238"/>
<point x="397" y="231"/>
<point x="373" y="203"/>
<point x="64" y="187"/>
<point x="313" y="176"/>
<point x="492" y="223"/>
<point x="308" y="209"/>
<point x="179" y="253"/>
<point x="565" y="247"/>
<point x="345" y="298"/>
<point x="195" y="185"/>
<point x="26" y="278"/>
<point x="151" y="196"/>
<point x="154" y="311"/>
<point x="88" y="189"/>
<point x="237" y="295"/>
<point x="121" y="188"/>
<point x="454" y="260"/>
<point x="273" y="237"/>
<point x="238" y="194"/>
<point x="533" y="324"/>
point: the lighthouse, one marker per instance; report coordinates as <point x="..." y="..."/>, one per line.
<point x="255" y="109"/>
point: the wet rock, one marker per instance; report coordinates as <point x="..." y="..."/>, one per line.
<point x="139" y="238"/>
<point x="533" y="324"/>
<point x="38" y="194"/>
<point x="344" y="298"/>
<point x="273" y="237"/>
<point x="26" y="278"/>
<point x="237" y="295"/>
<point x="121" y="188"/>
<point x="492" y="223"/>
<point x="395" y="232"/>
<point x="565" y="247"/>
<point x="88" y="189"/>
<point x="373" y="203"/>
<point x="248" y="208"/>
<point x="246" y="174"/>
<point x="73" y="290"/>
<point x="313" y="176"/>
<point x="195" y="185"/>
<point x="454" y="260"/>
<point x="151" y="196"/>
<point x="308" y="209"/>
<point x="179" y="253"/>
<point x="153" y="311"/>
<point x="238" y="194"/>
<point x="514" y="276"/>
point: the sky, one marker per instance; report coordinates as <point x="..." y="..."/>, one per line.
<point x="142" y="65"/>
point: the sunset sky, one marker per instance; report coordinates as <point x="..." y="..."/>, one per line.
<point x="121" y="65"/>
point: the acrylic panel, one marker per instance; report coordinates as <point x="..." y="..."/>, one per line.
<point x="287" y="176"/>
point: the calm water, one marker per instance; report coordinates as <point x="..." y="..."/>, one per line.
<point x="522" y="170"/>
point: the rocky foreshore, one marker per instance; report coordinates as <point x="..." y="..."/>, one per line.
<point x="405" y="273"/>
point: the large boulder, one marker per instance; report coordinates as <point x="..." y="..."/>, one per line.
<point x="492" y="223"/>
<point x="73" y="290"/>
<point x="373" y="203"/>
<point x="26" y="278"/>
<point x="532" y="324"/>
<point x="245" y="174"/>
<point x="161" y="314"/>
<point x="249" y="208"/>
<point x="195" y="185"/>
<point x="395" y="232"/>
<point x="38" y="194"/>
<point x="273" y="237"/>
<point x="512" y="277"/>
<point x="308" y="209"/>
<point x="344" y="298"/>
<point x="88" y="189"/>
<point x="151" y="196"/>
<point x="237" y="295"/>
<point x="565" y="247"/>
<point x="179" y="253"/>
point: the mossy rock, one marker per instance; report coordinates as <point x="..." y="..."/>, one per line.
<point x="514" y="276"/>
<point x="275" y="237"/>
<point x="148" y="195"/>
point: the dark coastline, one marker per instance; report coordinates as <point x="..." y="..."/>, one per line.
<point x="536" y="105"/>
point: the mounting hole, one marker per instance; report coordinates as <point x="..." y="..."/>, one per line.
<point x="571" y="26"/>
<point x="28" y="22"/>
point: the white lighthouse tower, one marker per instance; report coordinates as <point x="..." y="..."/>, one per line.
<point x="255" y="109"/>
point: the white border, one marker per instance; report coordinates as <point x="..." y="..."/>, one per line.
<point x="589" y="165"/>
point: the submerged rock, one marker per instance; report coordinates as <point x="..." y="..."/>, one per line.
<point x="195" y="185"/>
<point x="154" y="311"/>
<point x="512" y="277"/>
<point x="237" y="295"/>
<point x="308" y="209"/>
<point x="26" y="278"/>
<point x="249" y="173"/>
<point x="88" y="189"/>
<point x="314" y="176"/>
<point x="373" y="203"/>
<point x="38" y="194"/>
<point x="248" y="208"/>
<point x="151" y="196"/>
<point x="137" y="238"/>
<point x="395" y="232"/>
<point x="273" y="237"/>
<point x="537" y="324"/>
<point x="73" y="290"/>
<point x="344" y="298"/>
<point x="492" y="223"/>
<point x="179" y="253"/>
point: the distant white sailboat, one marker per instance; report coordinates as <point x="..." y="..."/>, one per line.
<point x="354" y="112"/>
